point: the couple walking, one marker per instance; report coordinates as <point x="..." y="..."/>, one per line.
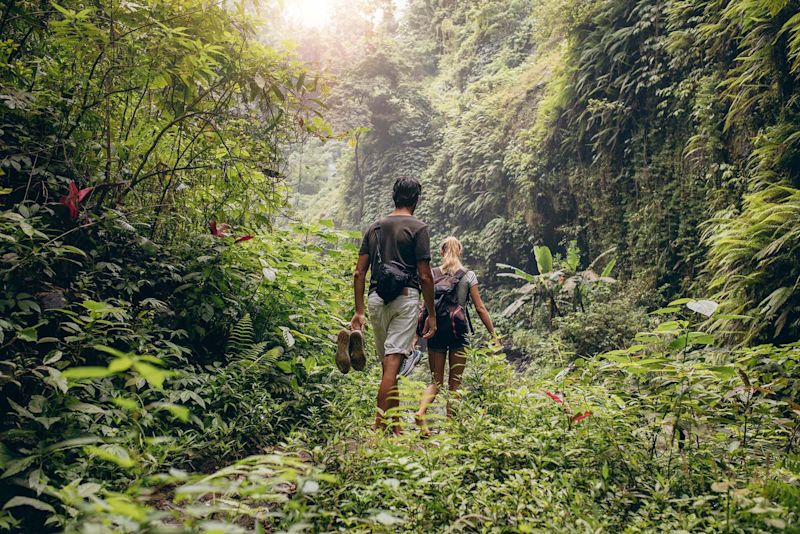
<point x="396" y="253"/>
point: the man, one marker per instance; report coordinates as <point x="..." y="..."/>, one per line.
<point x="404" y="240"/>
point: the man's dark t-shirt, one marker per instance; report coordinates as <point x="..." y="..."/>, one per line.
<point x="405" y="239"/>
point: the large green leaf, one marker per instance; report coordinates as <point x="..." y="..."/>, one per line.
<point x="28" y="501"/>
<point x="81" y="373"/>
<point x="544" y="259"/>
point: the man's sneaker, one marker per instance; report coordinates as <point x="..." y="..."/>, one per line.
<point x="357" y="358"/>
<point x="410" y="362"/>
<point x="343" y="350"/>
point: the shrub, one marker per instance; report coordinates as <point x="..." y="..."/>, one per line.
<point x="529" y="347"/>
<point x="606" y="325"/>
<point x="115" y="364"/>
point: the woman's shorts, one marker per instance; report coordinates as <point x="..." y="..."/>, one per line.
<point x="444" y="340"/>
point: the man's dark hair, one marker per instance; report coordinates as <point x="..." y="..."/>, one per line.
<point x="406" y="192"/>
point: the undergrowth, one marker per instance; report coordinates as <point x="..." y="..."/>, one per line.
<point x="605" y="448"/>
<point x="126" y="384"/>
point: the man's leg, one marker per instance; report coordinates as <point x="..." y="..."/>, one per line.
<point x="400" y="327"/>
<point x="379" y="319"/>
<point x="394" y="398"/>
<point x="388" y="388"/>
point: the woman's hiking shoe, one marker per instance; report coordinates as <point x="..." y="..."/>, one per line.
<point x="357" y="357"/>
<point x="410" y="362"/>
<point x="343" y="350"/>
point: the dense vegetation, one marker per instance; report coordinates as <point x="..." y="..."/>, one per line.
<point x="665" y="129"/>
<point x="166" y="323"/>
<point x="141" y="334"/>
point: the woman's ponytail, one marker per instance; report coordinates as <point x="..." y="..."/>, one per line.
<point x="451" y="255"/>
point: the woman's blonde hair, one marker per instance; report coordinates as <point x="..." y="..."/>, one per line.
<point x="451" y="255"/>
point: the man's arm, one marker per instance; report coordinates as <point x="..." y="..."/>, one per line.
<point x="359" y="282"/>
<point x="426" y="282"/>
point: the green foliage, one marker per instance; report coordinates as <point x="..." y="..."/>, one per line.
<point x="631" y="435"/>
<point x="115" y="364"/>
<point x="154" y="121"/>
<point x="544" y="259"/>
<point x="609" y="323"/>
<point x="156" y="376"/>
<point x="665" y="130"/>
<point x="167" y="107"/>
<point x="258" y="490"/>
<point x="551" y="287"/>
<point x="753" y="258"/>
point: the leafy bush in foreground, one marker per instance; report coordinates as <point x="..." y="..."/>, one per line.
<point x="119" y="367"/>
<point x="667" y="435"/>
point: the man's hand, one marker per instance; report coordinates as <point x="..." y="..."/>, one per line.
<point x="496" y="343"/>
<point x="357" y="322"/>
<point x="426" y="284"/>
<point x="430" y="327"/>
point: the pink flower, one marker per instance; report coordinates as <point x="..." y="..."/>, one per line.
<point x="243" y="238"/>
<point x="554" y="397"/>
<point x="580" y="416"/>
<point x="74" y="197"/>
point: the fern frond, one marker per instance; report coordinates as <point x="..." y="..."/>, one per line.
<point x="241" y="336"/>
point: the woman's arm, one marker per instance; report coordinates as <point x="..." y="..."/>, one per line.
<point x="480" y="307"/>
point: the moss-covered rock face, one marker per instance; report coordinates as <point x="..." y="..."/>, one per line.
<point x="627" y="124"/>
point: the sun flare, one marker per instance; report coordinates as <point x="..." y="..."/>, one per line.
<point x="314" y="13"/>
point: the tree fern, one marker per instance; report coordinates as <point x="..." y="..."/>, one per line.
<point x="753" y="256"/>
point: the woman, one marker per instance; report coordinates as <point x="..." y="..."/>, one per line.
<point x="446" y="344"/>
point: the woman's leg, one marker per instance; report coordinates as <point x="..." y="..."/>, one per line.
<point x="458" y="360"/>
<point x="436" y="360"/>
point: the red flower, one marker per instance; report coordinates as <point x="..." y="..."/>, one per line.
<point x="73" y="198"/>
<point x="554" y="397"/>
<point x="219" y="230"/>
<point x="580" y="416"/>
<point x="223" y="230"/>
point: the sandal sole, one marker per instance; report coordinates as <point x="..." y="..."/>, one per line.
<point x="357" y="357"/>
<point x="342" y="351"/>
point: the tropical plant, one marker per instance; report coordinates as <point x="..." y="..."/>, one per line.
<point x="753" y="255"/>
<point x="167" y="107"/>
<point x="549" y="284"/>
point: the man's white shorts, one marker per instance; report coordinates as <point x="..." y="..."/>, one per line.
<point x="395" y="323"/>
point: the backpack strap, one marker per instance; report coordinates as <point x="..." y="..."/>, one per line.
<point x="439" y="273"/>
<point x="378" y="243"/>
<point x="466" y="303"/>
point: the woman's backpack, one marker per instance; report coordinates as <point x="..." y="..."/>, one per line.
<point x="451" y="317"/>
